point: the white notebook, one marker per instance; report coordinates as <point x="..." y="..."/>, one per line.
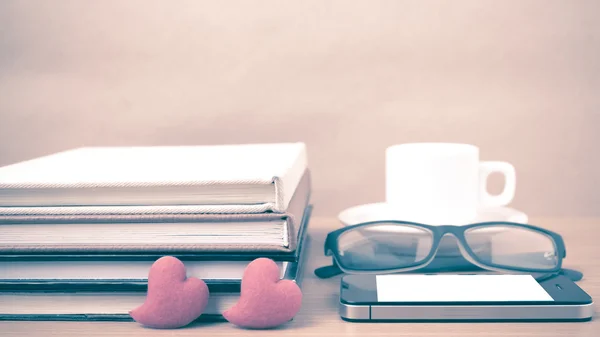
<point x="120" y="236"/>
<point x="115" y="305"/>
<point x="116" y="271"/>
<point x="89" y="306"/>
<point x="256" y="175"/>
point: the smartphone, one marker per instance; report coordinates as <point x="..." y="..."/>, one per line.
<point x="442" y="297"/>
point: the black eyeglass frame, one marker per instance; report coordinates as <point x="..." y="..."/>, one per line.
<point x="331" y="246"/>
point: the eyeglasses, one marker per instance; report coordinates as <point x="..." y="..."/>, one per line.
<point x="401" y="246"/>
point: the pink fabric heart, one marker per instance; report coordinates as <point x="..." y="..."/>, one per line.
<point x="265" y="300"/>
<point x="173" y="300"/>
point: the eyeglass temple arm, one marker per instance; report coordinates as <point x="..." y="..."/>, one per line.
<point x="328" y="271"/>
<point x="573" y="275"/>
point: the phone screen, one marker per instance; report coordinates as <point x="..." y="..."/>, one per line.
<point x="460" y="288"/>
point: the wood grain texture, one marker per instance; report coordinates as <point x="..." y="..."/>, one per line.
<point x="319" y="317"/>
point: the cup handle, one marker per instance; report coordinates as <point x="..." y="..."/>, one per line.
<point x="507" y="195"/>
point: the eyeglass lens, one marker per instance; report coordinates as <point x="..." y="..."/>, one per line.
<point x="384" y="246"/>
<point x="513" y="247"/>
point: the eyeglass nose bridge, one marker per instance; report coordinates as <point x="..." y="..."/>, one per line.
<point x="451" y="231"/>
<point x="457" y="233"/>
<point x="441" y="238"/>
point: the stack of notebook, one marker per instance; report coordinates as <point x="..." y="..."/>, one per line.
<point x="80" y="229"/>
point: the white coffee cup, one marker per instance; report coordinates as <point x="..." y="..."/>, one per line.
<point x="443" y="183"/>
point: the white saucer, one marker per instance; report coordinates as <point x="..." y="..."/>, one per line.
<point x="383" y="211"/>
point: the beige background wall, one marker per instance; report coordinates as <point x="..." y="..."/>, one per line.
<point x="521" y="79"/>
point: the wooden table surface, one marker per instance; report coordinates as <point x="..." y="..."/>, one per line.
<point x="319" y="316"/>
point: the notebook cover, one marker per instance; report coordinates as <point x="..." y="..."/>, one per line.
<point x="140" y="285"/>
<point x="297" y="209"/>
<point x="93" y="175"/>
<point x="230" y="255"/>
<point x="16" y="215"/>
<point x="294" y="273"/>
